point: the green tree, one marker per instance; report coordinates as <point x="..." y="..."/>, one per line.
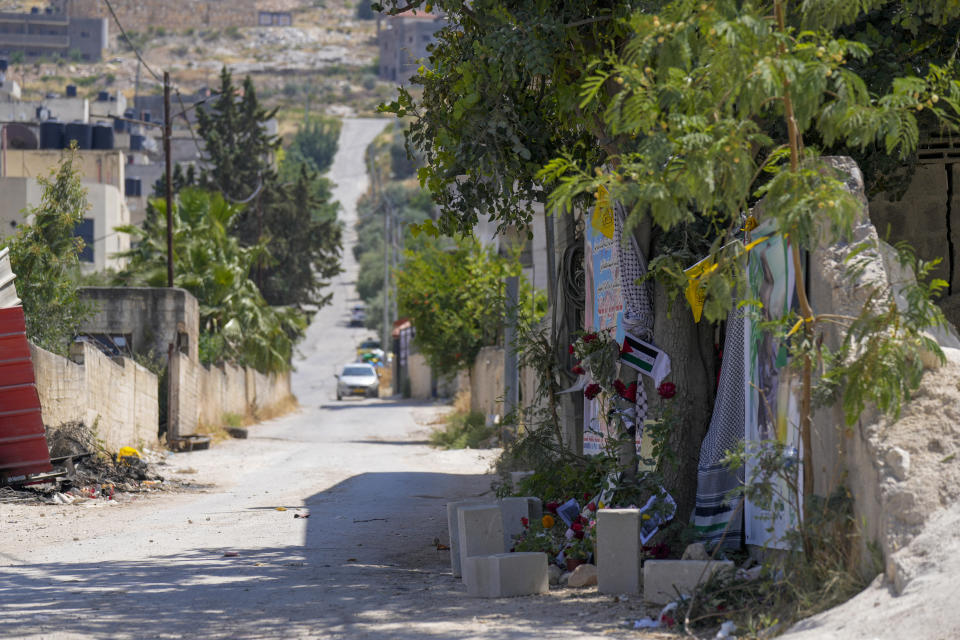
<point x="317" y="141"/>
<point x="289" y="212"/>
<point x="44" y="254"/>
<point x="304" y="239"/>
<point x="642" y="97"/>
<point x="237" y="323"/>
<point x="455" y="301"/>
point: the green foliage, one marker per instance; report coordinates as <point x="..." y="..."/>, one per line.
<point x="289" y="212"/>
<point x="792" y="585"/>
<point x="44" y="254"/>
<point x="463" y="431"/>
<point x="881" y="358"/>
<point x="697" y="92"/>
<point x="455" y="301"/>
<point x="317" y="141"/>
<point x="304" y="240"/>
<point x="237" y="324"/>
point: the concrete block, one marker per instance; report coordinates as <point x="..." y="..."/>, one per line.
<point x="618" y="551"/>
<point x="514" y="510"/>
<point x="505" y="575"/>
<point x="480" y="531"/>
<point x="453" y="529"/>
<point x="663" y="579"/>
<point x="517" y="476"/>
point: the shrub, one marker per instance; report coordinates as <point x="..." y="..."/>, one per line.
<point x="463" y="431"/>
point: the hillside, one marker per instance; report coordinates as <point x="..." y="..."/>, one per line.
<point x="327" y="57"/>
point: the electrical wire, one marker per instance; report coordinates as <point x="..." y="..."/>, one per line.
<point x="130" y="42"/>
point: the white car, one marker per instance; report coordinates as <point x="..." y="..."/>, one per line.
<point x="358" y="379"/>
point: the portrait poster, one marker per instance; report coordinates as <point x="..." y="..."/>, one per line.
<point x="772" y="389"/>
<point x="604" y="304"/>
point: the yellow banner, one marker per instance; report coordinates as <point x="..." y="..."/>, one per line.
<point x="602" y="219"/>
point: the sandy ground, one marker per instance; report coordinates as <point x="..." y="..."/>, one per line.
<point x="362" y="565"/>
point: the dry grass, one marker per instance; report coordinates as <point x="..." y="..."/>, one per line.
<point x="282" y="408"/>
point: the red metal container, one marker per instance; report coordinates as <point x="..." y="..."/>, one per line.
<point x="23" y="442"/>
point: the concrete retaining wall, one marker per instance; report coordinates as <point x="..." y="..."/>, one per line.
<point x="420" y="377"/>
<point x="201" y="395"/>
<point x="486" y="382"/>
<point x="116" y="396"/>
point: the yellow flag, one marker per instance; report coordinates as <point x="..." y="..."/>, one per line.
<point x="602" y="219"/>
<point x="696" y="293"/>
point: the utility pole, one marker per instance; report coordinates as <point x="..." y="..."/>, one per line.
<point x="168" y="161"/>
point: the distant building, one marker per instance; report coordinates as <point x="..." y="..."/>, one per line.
<point x="275" y="19"/>
<point x="102" y="174"/>
<point x="403" y="43"/>
<point x="52" y="32"/>
<point x="178" y="15"/>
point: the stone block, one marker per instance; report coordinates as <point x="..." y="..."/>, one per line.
<point x="479" y="531"/>
<point x="663" y="579"/>
<point x="517" y="476"/>
<point x="583" y="576"/>
<point x="453" y="529"/>
<point x="618" y="551"/>
<point x="505" y="575"/>
<point x="514" y="510"/>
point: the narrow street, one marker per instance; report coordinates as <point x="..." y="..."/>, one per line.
<point x="224" y="562"/>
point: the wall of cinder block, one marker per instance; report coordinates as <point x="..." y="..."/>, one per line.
<point x="928" y="218"/>
<point x="203" y="396"/>
<point x="115" y="396"/>
<point x="139" y="15"/>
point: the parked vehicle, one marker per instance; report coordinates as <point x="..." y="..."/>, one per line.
<point x="358" y="379"/>
<point x="368" y="348"/>
<point x="358" y="316"/>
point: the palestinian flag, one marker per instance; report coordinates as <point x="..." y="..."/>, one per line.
<point x="645" y="358"/>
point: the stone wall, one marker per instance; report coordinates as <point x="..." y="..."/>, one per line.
<point x="117" y="397"/>
<point x="203" y="396"/>
<point x="139" y="15"/>
<point x="421" y="376"/>
<point x="486" y="382"/>
<point x="852" y="455"/>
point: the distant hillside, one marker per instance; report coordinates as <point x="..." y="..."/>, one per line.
<point x="326" y="58"/>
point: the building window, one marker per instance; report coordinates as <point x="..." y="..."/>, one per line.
<point x="84" y="34"/>
<point x="84" y="230"/>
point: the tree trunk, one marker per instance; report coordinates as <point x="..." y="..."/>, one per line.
<point x="693" y="370"/>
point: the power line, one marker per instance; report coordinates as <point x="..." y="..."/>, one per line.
<point x="130" y="42"/>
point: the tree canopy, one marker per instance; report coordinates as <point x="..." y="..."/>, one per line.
<point x="289" y="208"/>
<point x="44" y="255"/>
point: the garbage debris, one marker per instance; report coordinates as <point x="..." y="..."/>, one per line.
<point x="726" y="631"/>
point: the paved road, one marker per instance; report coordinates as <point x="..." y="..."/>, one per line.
<point x="360" y="566"/>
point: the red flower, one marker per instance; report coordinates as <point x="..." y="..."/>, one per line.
<point x="589" y="337"/>
<point x="526" y="523"/>
<point x="591" y="391"/>
<point x="592" y="506"/>
<point x="667" y="390"/>
<point x="576" y="526"/>
<point x="668" y="620"/>
<point x="551" y="506"/>
<point x="625" y="348"/>
<point x="586" y="495"/>
<point x="570" y="349"/>
<point x="619" y="387"/>
<point x="582" y="520"/>
<point x="578" y="370"/>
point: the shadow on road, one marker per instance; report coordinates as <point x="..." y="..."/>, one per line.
<point x="367" y="560"/>
<point x="365" y="403"/>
